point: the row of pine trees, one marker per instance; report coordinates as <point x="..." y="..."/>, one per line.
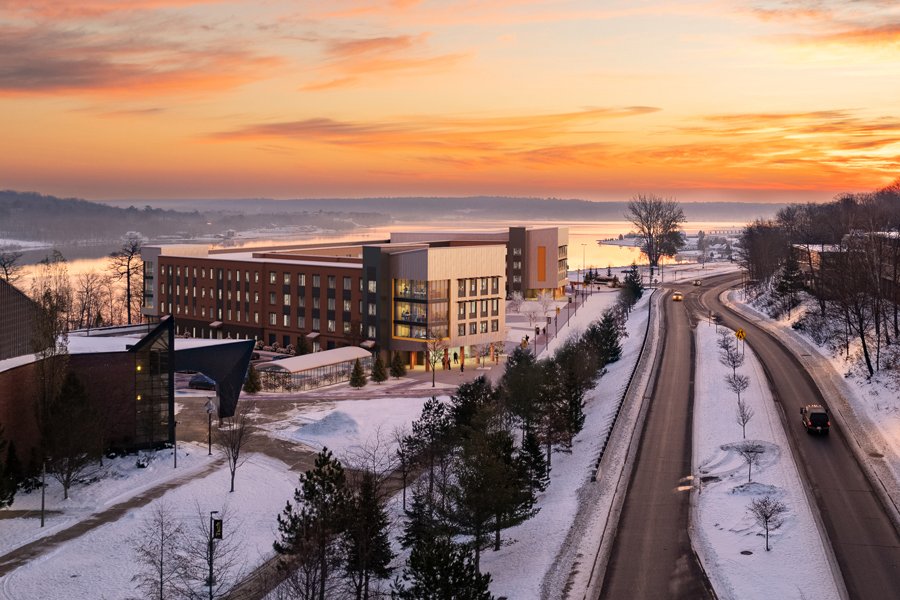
<point x="467" y="470"/>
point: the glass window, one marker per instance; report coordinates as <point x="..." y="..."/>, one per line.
<point x="178" y="271"/>
<point x="371" y="331"/>
<point x="331" y="282"/>
<point x="315" y="324"/>
<point x="287" y="299"/>
<point x="484" y="285"/>
<point x="203" y="272"/>
<point x="483" y="326"/>
<point x="301" y="301"/>
<point x="203" y="292"/>
<point x="301" y="322"/>
<point x="331" y="325"/>
<point x="462" y="310"/>
<point x="461" y="329"/>
<point x="331" y="304"/>
<point x="255" y="276"/>
<point x="347" y="306"/>
<point x="256" y="297"/>
<point x="272" y="276"/>
<point x="256" y="317"/>
<point x="302" y="280"/>
<point x="316" y="302"/>
<point x="484" y="308"/>
<point x="473" y="286"/>
<point x="272" y="320"/>
<point x="271" y="297"/>
<point x="317" y="281"/>
<point x="229" y="294"/>
<point x="495" y="325"/>
<point x="495" y="306"/>
<point x="286" y="320"/>
<point x="473" y="328"/>
<point x="472" y="308"/>
<point x="287" y="279"/>
<point x="373" y="287"/>
<point x="372" y="308"/>
<point x="461" y="287"/>
<point x="346" y="327"/>
<point x="219" y="313"/>
<point x="347" y="283"/>
<point x="219" y="294"/>
<point x="495" y="285"/>
<point x="229" y="275"/>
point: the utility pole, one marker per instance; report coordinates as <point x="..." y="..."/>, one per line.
<point x="210" y="554"/>
<point x="210" y="407"/>
<point x="43" y="487"/>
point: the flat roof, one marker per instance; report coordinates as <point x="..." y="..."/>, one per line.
<point x="305" y="362"/>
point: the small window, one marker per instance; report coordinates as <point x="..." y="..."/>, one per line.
<point x="271" y="297"/>
<point x="287" y="299"/>
<point x="317" y="302"/>
<point x="272" y="320"/>
<point x="483" y="327"/>
<point x="331" y="282"/>
<point x="331" y="304"/>
<point x="461" y="329"/>
<point x="348" y="282"/>
<point x="373" y="286"/>
<point x="287" y="279"/>
<point x="347" y="306"/>
<point x="473" y="328"/>
<point x="286" y="320"/>
<point x="371" y="332"/>
<point x="372" y="309"/>
<point x="331" y="326"/>
<point x="272" y="276"/>
<point x="256" y="317"/>
<point x="302" y="280"/>
<point x="317" y="281"/>
<point x="495" y="325"/>
<point x="315" y="324"/>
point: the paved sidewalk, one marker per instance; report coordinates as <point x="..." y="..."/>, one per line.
<point x="16" y="558"/>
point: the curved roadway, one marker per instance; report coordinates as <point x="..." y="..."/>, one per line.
<point x="865" y="542"/>
<point x="652" y="555"/>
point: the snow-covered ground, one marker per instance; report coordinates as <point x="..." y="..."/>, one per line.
<point x="117" y="481"/>
<point x="348" y="426"/>
<point x="100" y="564"/>
<point x="530" y="550"/>
<point x="725" y="535"/>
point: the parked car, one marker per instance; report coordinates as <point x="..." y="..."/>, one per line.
<point x="677" y="296"/>
<point x="201" y="382"/>
<point x="815" y="418"/>
<point x="698" y="282"/>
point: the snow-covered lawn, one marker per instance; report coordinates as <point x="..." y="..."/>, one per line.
<point x="349" y="425"/>
<point x="100" y="564"/>
<point x="117" y="481"/>
<point x="726" y="536"/>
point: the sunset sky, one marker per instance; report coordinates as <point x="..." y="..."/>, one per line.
<point x="718" y="99"/>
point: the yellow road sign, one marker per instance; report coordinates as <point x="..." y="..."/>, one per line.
<point x="739" y="334"/>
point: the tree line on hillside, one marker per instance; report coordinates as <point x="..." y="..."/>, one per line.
<point x="468" y="469"/>
<point x="846" y="255"/>
<point x="32" y="216"/>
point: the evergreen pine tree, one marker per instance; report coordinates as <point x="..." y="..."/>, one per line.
<point x="8" y="481"/>
<point x="422" y="521"/>
<point x="302" y="346"/>
<point x="519" y="386"/>
<point x="379" y="373"/>
<point x="367" y="547"/>
<point x="632" y="284"/>
<point x="790" y="280"/>
<point x="253" y="383"/>
<point x="398" y="369"/>
<point x="309" y="527"/>
<point x="609" y="270"/>
<point x="441" y="570"/>
<point x="357" y="376"/>
<point x="609" y="349"/>
<point x="469" y="398"/>
<point x="532" y="462"/>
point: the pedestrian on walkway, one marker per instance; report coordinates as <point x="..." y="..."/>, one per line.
<point x="455" y="358"/>
<point x="462" y="367"/>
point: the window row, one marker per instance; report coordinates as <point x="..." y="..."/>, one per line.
<point x="477" y="286"/>
<point x="470" y="308"/>
<point x="475" y="328"/>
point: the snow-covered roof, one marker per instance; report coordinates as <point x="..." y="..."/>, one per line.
<point x="296" y="364"/>
<point x="81" y="343"/>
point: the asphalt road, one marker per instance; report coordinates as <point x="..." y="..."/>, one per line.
<point x="652" y="555"/>
<point x="866" y="545"/>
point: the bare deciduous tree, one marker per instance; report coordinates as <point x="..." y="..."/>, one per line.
<point x="156" y="550"/>
<point x="515" y="301"/>
<point x="768" y="512"/>
<point x="546" y="302"/>
<point x="87" y="300"/>
<point x="737" y="384"/>
<point x="534" y="315"/>
<point x="435" y="347"/>
<point x="658" y="222"/>
<point x="751" y="453"/>
<point x="10" y="269"/>
<point x="197" y="551"/>
<point x="743" y="415"/>
<point x="232" y="436"/>
<point x="126" y="264"/>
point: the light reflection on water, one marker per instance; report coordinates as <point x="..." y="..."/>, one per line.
<point x="584" y="251"/>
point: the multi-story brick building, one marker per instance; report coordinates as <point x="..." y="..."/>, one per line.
<point x="393" y="295"/>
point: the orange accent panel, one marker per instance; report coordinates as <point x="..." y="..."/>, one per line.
<point x="542" y="263"/>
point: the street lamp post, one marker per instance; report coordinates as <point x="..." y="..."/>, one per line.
<point x="175" y="443"/>
<point x="210" y="407"/>
<point x="210" y="553"/>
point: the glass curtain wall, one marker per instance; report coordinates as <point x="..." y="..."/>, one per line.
<point x="421" y="307"/>
<point x="279" y="381"/>
<point x="152" y="393"/>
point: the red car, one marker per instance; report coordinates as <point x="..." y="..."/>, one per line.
<point x="815" y="418"/>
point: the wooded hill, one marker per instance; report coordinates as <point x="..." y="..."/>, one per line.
<point x="33" y="216"/>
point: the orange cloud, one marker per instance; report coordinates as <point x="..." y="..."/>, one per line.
<point x="80" y="9"/>
<point x="47" y="60"/>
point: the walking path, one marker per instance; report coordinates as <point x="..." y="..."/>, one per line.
<point x="13" y="560"/>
